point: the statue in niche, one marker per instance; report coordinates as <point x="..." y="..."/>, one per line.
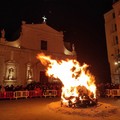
<point x="29" y="71"/>
<point x="10" y="73"/>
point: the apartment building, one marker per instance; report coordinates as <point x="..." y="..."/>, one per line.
<point x="112" y="31"/>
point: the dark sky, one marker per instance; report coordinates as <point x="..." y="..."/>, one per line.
<point x="82" y="22"/>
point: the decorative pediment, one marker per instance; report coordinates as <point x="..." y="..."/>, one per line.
<point x="42" y="27"/>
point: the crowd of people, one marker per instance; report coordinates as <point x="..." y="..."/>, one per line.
<point x="101" y="88"/>
<point x="32" y="86"/>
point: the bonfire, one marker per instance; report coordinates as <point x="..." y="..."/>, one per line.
<point x="79" y="89"/>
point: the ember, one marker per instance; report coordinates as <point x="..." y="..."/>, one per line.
<point x="79" y="89"/>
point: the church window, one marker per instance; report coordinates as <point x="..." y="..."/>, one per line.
<point x="43" y="45"/>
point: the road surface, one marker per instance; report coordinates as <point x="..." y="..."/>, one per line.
<point x="36" y="109"/>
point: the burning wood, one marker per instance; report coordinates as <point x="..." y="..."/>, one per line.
<point x="78" y="84"/>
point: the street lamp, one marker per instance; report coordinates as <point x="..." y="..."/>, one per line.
<point x="117" y="68"/>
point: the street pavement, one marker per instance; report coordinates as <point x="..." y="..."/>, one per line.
<point x="36" y="109"/>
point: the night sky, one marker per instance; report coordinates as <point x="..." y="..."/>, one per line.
<point x="81" y="21"/>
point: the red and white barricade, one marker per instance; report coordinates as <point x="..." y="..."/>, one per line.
<point x="35" y="93"/>
<point x="21" y="94"/>
<point x="113" y="92"/>
<point x="1" y="95"/>
<point x="9" y="95"/>
<point x="50" y="93"/>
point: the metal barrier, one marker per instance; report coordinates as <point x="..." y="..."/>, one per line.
<point x="30" y="94"/>
<point x="108" y="92"/>
<point x="35" y="93"/>
<point x="113" y="92"/>
<point x="1" y="95"/>
<point x="5" y="95"/>
<point x="21" y="94"/>
<point x="50" y="93"/>
<point x="9" y="95"/>
<point x="59" y="93"/>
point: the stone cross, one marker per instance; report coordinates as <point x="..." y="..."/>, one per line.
<point x="44" y="19"/>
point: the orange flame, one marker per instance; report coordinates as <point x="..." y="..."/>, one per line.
<point x="75" y="78"/>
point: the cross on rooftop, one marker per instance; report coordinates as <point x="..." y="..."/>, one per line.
<point x="44" y="19"/>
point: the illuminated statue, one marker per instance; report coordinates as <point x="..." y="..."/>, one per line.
<point x="10" y="73"/>
<point x="29" y="71"/>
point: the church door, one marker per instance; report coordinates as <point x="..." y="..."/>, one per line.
<point x="43" y="77"/>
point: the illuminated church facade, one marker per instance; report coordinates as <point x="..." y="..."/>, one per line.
<point x="19" y="65"/>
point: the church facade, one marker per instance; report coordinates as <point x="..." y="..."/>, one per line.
<point x="19" y="65"/>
